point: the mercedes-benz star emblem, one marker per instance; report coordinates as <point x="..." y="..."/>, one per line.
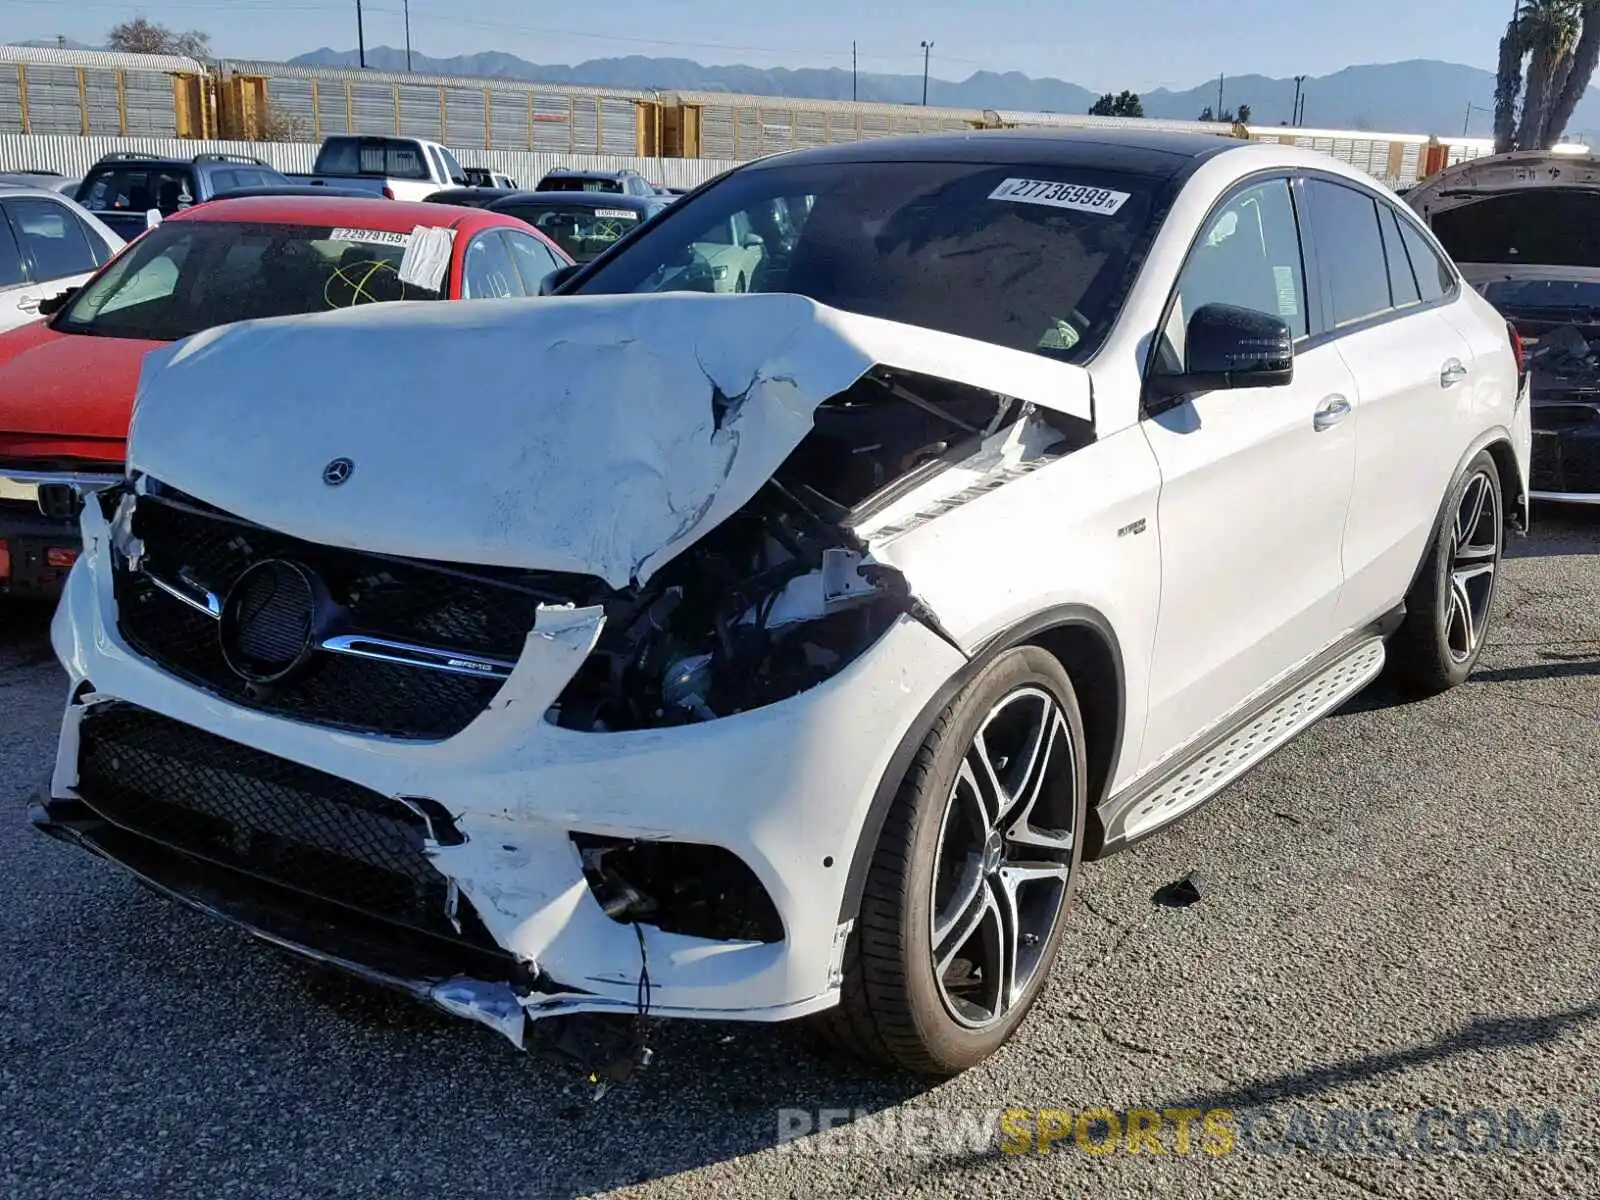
<point x="338" y="472"/>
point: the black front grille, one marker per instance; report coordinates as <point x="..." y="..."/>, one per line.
<point x="1566" y="449"/>
<point x="476" y="613"/>
<point x="250" y="811"/>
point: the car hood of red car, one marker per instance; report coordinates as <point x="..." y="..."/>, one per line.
<point x="65" y="395"/>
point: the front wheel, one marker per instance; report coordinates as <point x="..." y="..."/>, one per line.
<point x="1449" y="607"/>
<point x="962" y="910"/>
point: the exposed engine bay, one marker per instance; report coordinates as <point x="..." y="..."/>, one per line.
<point x="1565" y="359"/>
<point x="783" y="594"/>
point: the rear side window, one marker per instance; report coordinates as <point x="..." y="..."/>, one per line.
<point x="1402" y="283"/>
<point x="1344" y="227"/>
<point x="11" y="272"/>
<point x="52" y="238"/>
<point x="1434" y="276"/>
<point x="137" y="189"/>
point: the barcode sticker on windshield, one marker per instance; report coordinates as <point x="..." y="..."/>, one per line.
<point x="623" y="213"/>
<point x="1060" y="195"/>
<point x="374" y="237"/>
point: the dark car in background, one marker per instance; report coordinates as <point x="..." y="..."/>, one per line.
<point x="1525" y="230"/>
<point x="122" y="188"/>
<point x="620" y="183"/>
<point x="471" y="197"/>
<point x="584" y="224"/>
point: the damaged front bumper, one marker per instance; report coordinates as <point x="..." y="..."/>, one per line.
<point x="520" y="932"/>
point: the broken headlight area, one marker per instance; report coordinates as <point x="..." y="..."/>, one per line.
<point x="783" y="595"/>
<point x="686" y="888"/>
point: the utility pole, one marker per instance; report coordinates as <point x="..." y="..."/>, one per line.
<point x="408" y="34"/>
<point x="1294" y="109"/>
<point x="852" y="70"/>
<point x="1300" y="117"/>
<point x="927" y="49"/>
<point x="1219" y="96"/>
<point x="361" y="37"/>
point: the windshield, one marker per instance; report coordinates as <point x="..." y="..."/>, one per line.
<point x="1031" y="257"/>
<point x="186" y="276"/>
<point x="581" y="231"/>
<point x="579" y="183"/>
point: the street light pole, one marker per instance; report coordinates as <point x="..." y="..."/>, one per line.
<point x="361" y="36"/>
<point x="927" y="48"/>
<point x="408" y="34"/>
<point x="1294" y="109"/>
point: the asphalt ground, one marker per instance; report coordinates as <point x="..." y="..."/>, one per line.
<point x="1396" y="915"/>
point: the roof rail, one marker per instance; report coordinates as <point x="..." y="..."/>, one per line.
<point x="129" y="156"/>
<point x="231" y="158"/>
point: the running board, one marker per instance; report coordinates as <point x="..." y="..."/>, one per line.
<point x="1180" y="792"/>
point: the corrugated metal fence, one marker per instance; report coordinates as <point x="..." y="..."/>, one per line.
<point x="75" y="155"/>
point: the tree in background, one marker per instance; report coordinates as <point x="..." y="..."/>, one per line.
<point x="1548" y="56"/>
<point x="1227" y="117"/>
<point x="1127" y="104"/>
<point x="140" y="36"/>
<point x="1244" y="114"/>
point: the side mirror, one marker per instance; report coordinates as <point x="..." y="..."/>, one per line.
<point x="51" y="305"/>
<point x="1230" y="347"/>
<point x="552" y="282"/>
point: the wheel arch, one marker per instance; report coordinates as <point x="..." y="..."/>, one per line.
<point x="1498" y="443"/>
<point x="1086" y="645"/>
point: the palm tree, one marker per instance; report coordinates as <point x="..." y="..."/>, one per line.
<point x="1507" y="87"/>
<point x="1580" y="68"/>
<point x="1549" y="29"/>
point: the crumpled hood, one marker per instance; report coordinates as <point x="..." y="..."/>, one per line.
<point x="599" y="435"/>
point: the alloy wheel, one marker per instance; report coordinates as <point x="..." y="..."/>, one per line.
<point x="1474" y="556"/>
<point x="1006" y="842"/>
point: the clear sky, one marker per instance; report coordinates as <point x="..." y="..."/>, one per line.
<point x="1139" y="44"/>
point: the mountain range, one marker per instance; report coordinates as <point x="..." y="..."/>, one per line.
<point x="1419" y="96"/>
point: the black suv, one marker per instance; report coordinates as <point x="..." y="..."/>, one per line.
<point x="624" y="183"/>
<point x="121" y="188"/>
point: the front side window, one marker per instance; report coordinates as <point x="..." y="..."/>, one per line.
<point x="1032" y="257"/>
<point x="533" y="258"/>
<point x="52" y="237"/>
<point x="453" y="170"/>
<point x="1344" y="225"/>
<point x="1247" y="256"/>
<point x="186" y="276"/>
<point x="12" y="272"/>
<point x="489" y="273"/>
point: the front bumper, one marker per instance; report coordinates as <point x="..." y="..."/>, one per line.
<point x="786" y="789"/>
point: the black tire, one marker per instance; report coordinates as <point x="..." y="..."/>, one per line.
<point x="1435" y="649"/>
<point x="893" y="1008"/>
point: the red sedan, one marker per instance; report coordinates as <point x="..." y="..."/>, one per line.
<point x="67" y="384"/>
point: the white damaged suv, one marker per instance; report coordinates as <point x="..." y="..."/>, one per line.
<point x="787" y="654"/>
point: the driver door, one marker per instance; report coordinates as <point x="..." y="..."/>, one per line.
<point x="1255" y="486"/>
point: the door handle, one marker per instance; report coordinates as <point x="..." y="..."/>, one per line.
<point x="29" y="304"/>
<point x="1452" y="373"/>
<point x="1334" y="409"/>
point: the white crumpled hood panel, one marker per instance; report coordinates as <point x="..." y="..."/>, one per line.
<point x="577" y="434"/>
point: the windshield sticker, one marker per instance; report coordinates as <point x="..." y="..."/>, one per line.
<point x="1060" y="195"/>
<point x="371" y="237"/>
<point x="621" y="214"/>
<point x="427" y="257"/>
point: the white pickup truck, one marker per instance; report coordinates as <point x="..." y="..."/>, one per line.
<point x="398" y="168"/>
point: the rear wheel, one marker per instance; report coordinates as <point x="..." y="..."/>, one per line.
<point x="961" y="915"/>
<point x="1449" y="608"/>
